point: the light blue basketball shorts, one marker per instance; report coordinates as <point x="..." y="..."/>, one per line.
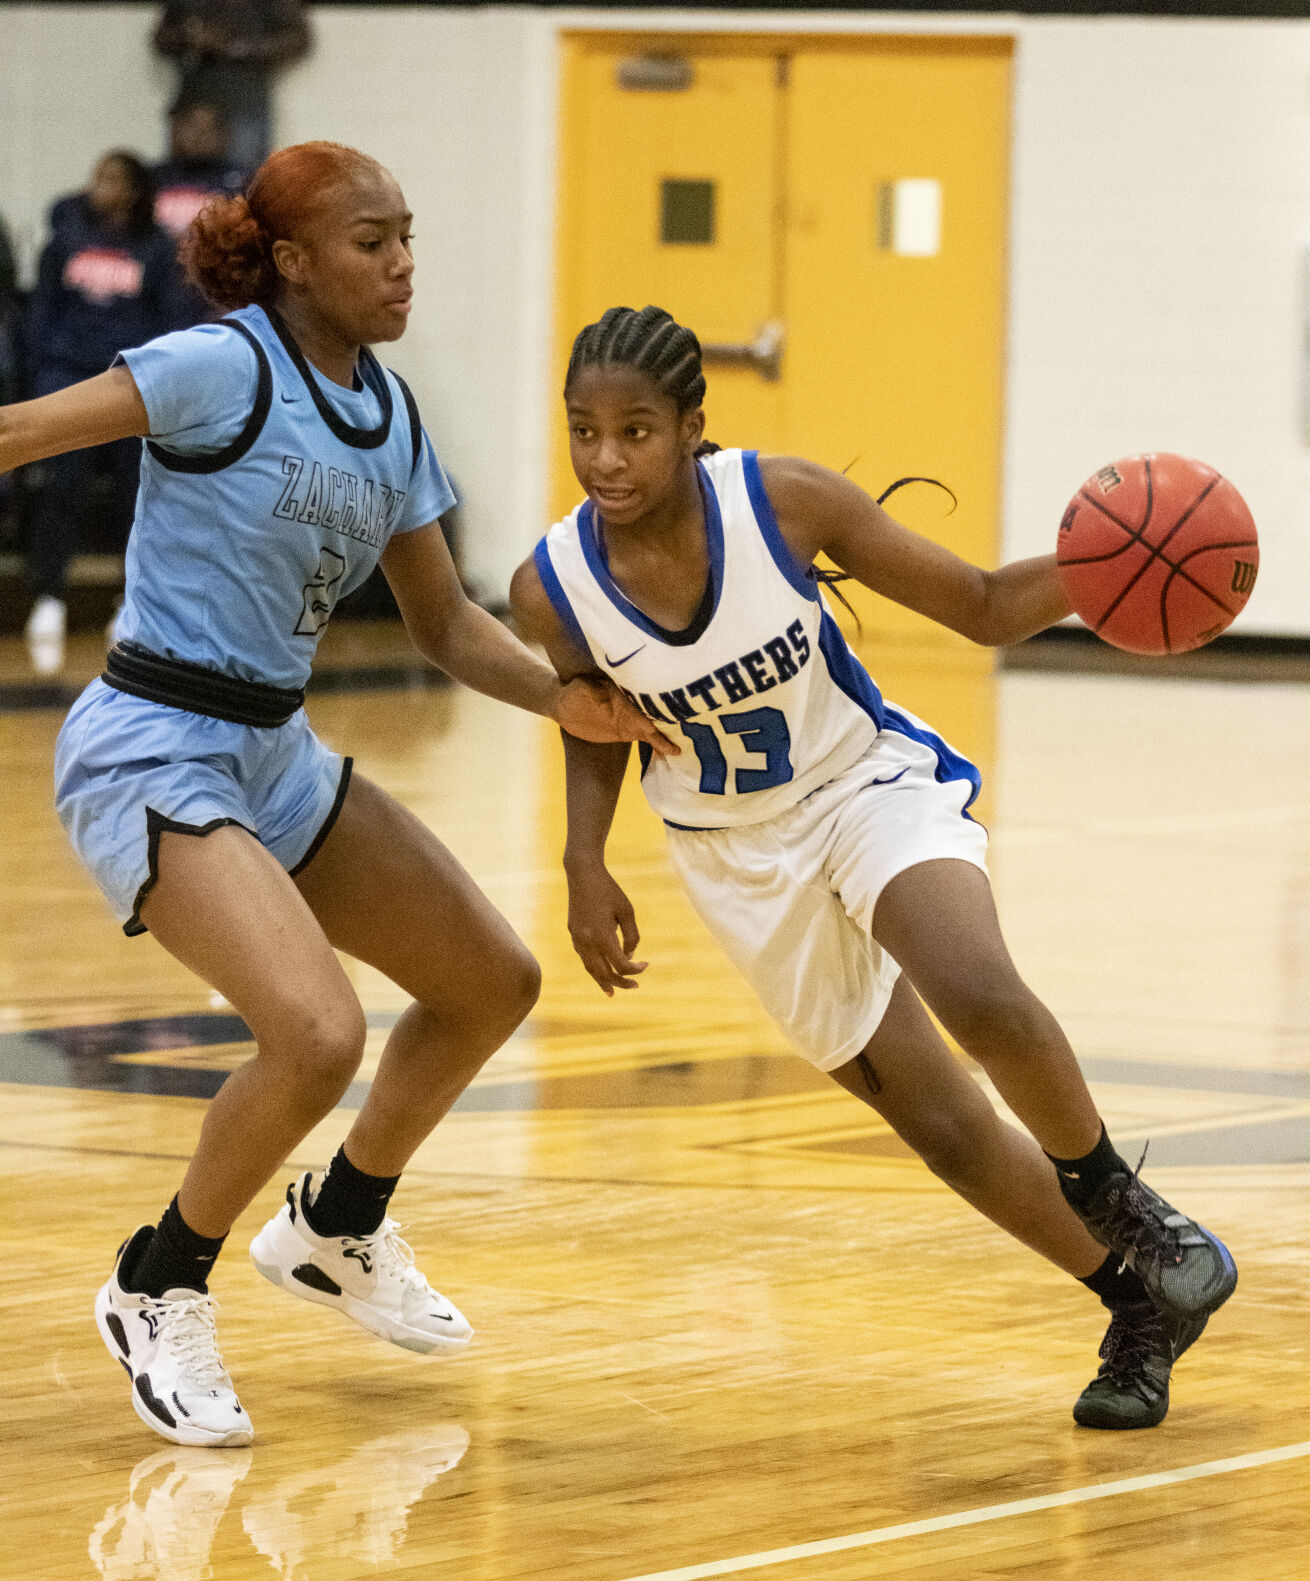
<point x="128" y="770"/>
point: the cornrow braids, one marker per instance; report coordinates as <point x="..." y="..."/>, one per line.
<point x="651" y="340"/>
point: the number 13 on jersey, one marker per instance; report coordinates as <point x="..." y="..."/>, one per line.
<point x="761" y="731"/>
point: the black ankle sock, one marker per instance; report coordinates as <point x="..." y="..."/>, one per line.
<point x="1116" y="1285"/>
<point x="1080" y="1177"/>
<point x="349" y="1202"/>
<point x="175" y="1258"/>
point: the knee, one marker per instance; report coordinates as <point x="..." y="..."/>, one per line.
<point x="524" y="983"/>
<point x="488" y="1006"/>
<point x="319" y="1054"/>
<point x="1000" y="1017"/>
<point x="517" y="979"/>
<point x="948" y="1144"/>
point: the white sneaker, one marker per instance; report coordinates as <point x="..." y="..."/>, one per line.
<point x="48" y="618"/>
<point x="169" y="1348"/>
<point x="44" y="633"/>
<point x="371" y="1278"/>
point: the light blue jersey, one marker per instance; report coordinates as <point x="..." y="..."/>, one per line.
<point x="267" y="493"/>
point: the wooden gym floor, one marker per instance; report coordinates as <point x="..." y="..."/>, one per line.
<point x="726" y="1324"/>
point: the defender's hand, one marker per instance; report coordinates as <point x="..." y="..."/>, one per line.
<point x="593" y="709"/>
<point x="603" y="927"/>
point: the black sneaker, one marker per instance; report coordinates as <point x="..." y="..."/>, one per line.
<point x="1137" y="1355"/>
<point x="1188" y="1272"/>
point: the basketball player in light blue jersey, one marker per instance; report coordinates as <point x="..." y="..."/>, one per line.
<point x="283" y="463"/>
<point x="822" y="834"/>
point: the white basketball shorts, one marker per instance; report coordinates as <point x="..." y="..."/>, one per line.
<point x="791" y="899"/>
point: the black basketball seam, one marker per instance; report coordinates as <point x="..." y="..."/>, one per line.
<point x="1176" y="567"/>
<point x="1156" y="551"/>
<point x="1138" y="536"/>
<point x="1095" y="559"/>
<point x="1134" y="536"/>
<point x="1105" y="510"/>
<point x="1177" y="570"/>
<point x="1207" y="548"/>
<point x="1204" y="548"/>
<point x="1134" y="533"/>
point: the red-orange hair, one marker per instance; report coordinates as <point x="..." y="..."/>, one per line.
<point x="228" y="248"/>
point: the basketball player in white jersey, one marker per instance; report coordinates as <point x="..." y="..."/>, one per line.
<point x="823" y="835"/>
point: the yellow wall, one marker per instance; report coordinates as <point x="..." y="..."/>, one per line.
<point x="892" y="363"/>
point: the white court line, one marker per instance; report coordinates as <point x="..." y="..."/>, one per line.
<point x="989" y="1512"/>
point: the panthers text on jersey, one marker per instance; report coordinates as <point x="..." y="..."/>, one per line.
<point x="761" y="685"/>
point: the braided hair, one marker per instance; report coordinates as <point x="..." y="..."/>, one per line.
<point x="669" y="353"/>
<point x="653" y="341"/>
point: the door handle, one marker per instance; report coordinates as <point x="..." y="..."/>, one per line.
<point x="763" y="354"/>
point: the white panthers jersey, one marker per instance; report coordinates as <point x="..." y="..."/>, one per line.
<point x="761" y="687"/>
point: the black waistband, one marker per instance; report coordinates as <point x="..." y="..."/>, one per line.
<point x="177" y="684"/>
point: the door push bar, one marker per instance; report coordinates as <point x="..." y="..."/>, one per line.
<point x="763" y="354"/>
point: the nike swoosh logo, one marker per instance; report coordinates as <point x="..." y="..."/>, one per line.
<point x="890" y="780"/>
<point x="614" y="663"/>
<point x="289" y="399"/>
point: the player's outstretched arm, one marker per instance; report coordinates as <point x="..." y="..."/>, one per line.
<point x="820" y="511"/>
<point x="602" y="922"/>
<point x="473" y="647"/>
<point x="93" y="412"/>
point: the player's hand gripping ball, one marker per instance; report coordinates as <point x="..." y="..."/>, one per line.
<point x="1157" y="554"/>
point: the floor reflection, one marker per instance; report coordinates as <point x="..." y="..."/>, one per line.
<point x="167" y="1524"/>
<point x="354" y="1509"/>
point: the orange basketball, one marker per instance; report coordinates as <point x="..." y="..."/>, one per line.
<point x="1158" y="554"/>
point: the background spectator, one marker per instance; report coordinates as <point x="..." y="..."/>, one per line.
<point x="227" y="51"/>
<point x="197" y="169"/>
<point x="68" y="212"/>
<point x="9" y="388"/>
<point x="8" y="289"/>
<point x="105" y="282"/>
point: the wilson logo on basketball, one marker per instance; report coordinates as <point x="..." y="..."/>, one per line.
<point x="1125" y="586"/>
<point x="1243" y="576"/>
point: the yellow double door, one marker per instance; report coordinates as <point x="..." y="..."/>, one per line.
<point x="830" y="218"/>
